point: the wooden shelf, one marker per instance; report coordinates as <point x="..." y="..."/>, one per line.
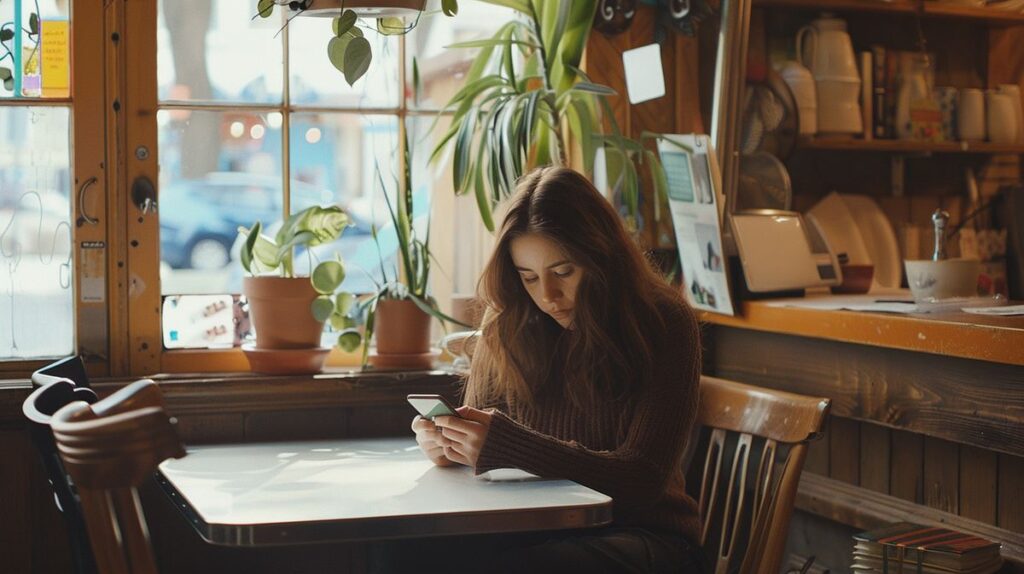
<point x="905" y="146"/>
<point x="981" y="337"/>
<point x="927" y="8"/>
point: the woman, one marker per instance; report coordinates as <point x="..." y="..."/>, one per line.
<point x="587" y="369"/>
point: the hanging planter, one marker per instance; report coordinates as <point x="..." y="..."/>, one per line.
<point x="348" y="50"/>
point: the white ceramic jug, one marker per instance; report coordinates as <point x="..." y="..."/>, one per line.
<point x="825" y="48"/>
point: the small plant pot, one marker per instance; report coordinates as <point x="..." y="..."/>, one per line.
<point x="279" y="308"/>
<point x="402" y="331"/>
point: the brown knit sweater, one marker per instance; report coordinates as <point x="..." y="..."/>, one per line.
<point x="633" y="454"/>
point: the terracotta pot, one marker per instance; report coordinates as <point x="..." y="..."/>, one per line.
<point x="401" y="328"/>
<point x="279" y="309"/>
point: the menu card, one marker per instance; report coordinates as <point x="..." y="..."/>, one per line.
<point x="696" y="203"/>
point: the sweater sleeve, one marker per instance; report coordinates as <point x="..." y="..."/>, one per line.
<point x="635" y="473"/>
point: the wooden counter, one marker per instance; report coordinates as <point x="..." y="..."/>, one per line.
<point x="927" y="416"/>
<point x="981" y="337"/>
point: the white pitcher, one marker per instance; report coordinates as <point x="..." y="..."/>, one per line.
<point x="825" y="48"/>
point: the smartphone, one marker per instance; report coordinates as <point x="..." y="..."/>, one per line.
<point x="430" y="406"/>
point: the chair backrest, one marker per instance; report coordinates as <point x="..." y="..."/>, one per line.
<point x="109" y="448"/>
<point x="756" y="445"/>
<point x="55" y="386"/>
<point x="71" y="368"/>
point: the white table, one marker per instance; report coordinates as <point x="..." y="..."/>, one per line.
<point x="372" y="489"/>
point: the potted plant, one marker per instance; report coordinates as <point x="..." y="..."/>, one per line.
<point x="399" y="313"/>
<point x="509" y="118"/>
<point x="288" y="311"/>
<point x="348" y="50"/>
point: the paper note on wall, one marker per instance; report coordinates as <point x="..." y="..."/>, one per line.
<point x="56" y="59"/>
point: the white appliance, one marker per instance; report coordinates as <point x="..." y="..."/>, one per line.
<point x="780" y="252"/>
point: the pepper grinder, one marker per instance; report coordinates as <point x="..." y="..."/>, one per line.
<point x="939" y="220"/>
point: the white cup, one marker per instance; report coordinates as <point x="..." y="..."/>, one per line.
<point x="1002" y="119"/>
<point x="971" y="115"/>
<point x="1013" y="90"/>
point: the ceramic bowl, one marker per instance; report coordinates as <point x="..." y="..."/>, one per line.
<point x="934" y="280"/>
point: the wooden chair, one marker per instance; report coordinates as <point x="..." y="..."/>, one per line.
<point x="109" y="448"/>
<point x="756" y="442"/>
<point x="57" y="385"/>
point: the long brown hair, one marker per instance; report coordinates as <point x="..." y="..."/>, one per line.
<point x="618" y="311"/>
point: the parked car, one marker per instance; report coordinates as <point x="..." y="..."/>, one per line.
<point x="199" y="218"/>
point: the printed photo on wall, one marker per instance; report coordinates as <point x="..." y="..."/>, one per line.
<point x="695" y="201"/>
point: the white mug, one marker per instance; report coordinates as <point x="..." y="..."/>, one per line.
<point x="1013" y="90"/>
<point x="971" y="117"/>
<point x="1002" y="120"/>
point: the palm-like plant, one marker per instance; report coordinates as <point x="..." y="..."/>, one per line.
<point x="525" y="100"/>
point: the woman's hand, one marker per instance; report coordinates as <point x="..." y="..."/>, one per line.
<point x="463" y="438"/>
<point x="428" y="436"/>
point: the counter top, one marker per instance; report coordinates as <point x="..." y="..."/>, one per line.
<point x="959" y="334"/>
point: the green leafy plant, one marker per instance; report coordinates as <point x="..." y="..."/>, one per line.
<point x="511" y="117"/>
<point x="262" y="255"/>
<point x="348" y="50"/>
<point x="414" y="255"/>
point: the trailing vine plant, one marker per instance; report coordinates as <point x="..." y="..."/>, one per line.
<point x="8" y="30"/>
<point x="348" y="50"/>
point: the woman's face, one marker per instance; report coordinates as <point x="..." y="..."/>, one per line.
<point x="548" y="275"/>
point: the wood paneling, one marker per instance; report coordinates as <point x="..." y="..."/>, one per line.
<point x="844" y="451"/>
<point x="979" y="474"/>
<point x="969" y="402"/>
<point x="874" y="457"/>
<point x="907" y="478"/>
<point x="1011" y="493"/>
<point x="941" y="475"/>
<point x="818" y="452"/>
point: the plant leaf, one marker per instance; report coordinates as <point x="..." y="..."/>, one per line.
<point x="343" y="302"/>
<point x="349" y="340"/>
<point x="520" y="5"/>
<point x="450" y="7"/>
<point x="33" y="24"/>
<point x="594" y="89"/>
<point x="265" y="251"/>
<point x="327" y="277"/>
<point x="6" y="35"/>
<point x="463" y="145"/>
<point x="660" y="181"/>
<point x="341" y="322"/>
<point x="344" y="23"/>
<point x="432" y="310"/>
<point x="265" y="8"/>
<point x="336" y="51"/>
<point x="325" y="223"/>
<point x="357" y="59"/>
<point x="322" y="307"/>
<point x="245" y="255"/>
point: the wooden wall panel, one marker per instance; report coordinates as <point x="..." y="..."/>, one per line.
<point x="844" y="451"/>
<point x="874" y="457"/>
<point x="979" y="473"/>
<point x="941" y="475"/>
<point x="296" y="425"/>
<point x="962" y="400"/>
<point x="818" y="453"/>
<point x="211" y="428"/>
<point x="906" y="480"/>
<point x="15" y="527"/>
<point x="1011" y="493"/>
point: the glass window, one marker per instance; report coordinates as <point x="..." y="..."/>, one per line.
<point x="238" y="144"/>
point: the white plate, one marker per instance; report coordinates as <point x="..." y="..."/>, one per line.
<point x="836" y="225"/>
<point x="879" y="239"/>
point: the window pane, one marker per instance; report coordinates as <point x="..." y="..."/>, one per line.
<point x="36" y="63"/>
<point x="443" y="70"/>
<point x="315" y="81"/>
<point x="205" y="321"/>
<point x="36" y="274"/>
<point x="341" y="153"/>
<point x="218" y="170"/>
<point x="214" y="50"/>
